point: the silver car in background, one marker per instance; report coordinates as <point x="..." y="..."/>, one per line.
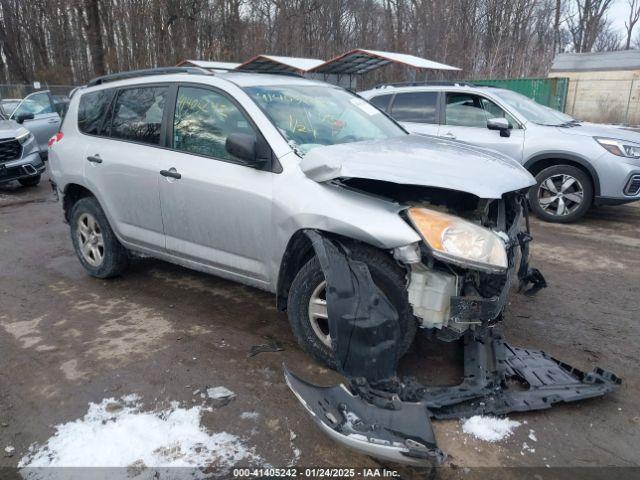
<point x="576" y="164"/>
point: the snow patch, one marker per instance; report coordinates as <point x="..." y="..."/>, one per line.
<point x="526" y="448"/>
<point x="294" y="450"/>
<point x="489" y="429"/>
<point x="249" y="415"/>
<point x="217" y="393"/>
<point x="117" y="433"/>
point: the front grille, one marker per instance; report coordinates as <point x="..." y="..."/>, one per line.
<point x="633" y="186"/>
<point x="10" y="150"/>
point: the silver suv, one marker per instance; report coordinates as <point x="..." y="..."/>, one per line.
<point x="37" y="113"/>
<point x="235" y="173"/>
<point x="576" y="164"/>
<point x="19" y="153"/>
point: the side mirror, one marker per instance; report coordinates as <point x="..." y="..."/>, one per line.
<point x="24" y="116"/>
<point x="500" y="124"/>
<point x="247" y="147"/>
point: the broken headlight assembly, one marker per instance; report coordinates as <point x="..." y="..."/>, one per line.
<point x="459" y="241"/>
<point x="620" y="148"/>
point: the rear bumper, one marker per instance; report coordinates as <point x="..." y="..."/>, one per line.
<point x="29" y="166"/>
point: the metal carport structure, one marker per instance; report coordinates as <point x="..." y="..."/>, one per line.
<point x="279" y="64"/>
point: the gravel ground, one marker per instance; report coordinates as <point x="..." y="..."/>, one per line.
<point x="162" y="332"/>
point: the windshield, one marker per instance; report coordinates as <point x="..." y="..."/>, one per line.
<point x="314" y="115"/>
<point x="8" y="106"/>
<point x="533" y="111"/>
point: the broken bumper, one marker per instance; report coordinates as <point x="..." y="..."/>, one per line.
<point x="403" y="432"/>
<point x="400" y="436"/>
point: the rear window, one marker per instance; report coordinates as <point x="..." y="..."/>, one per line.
<point x="381" y="101"/>
<point x="91" y="111"/>
<point x="418" y="107"/>
<point x="137" y="114"/>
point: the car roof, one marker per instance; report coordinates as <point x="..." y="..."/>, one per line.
<point x="391" y="89"/>
<point x="264" y="79"/>
<point x="240" y="79"/>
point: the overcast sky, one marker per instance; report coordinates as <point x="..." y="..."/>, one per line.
<point x="618" y="13"/>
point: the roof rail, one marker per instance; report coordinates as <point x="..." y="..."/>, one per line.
<point x="146" y="72"/>
<point x="427" y="83"/>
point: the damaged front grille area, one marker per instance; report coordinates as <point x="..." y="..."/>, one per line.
<point x="453" y="298"/>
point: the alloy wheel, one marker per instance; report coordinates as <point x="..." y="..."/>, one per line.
<point x="560" y="195"/>
<point x="90" y="239"/>
<point x="318" y="316"/>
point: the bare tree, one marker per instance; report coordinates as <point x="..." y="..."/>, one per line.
<point x="93" y="30"/>
<point x="70" y="41"/>
<point x="608" y="40"/>
<point x="586" y="20"/>
<point x="634" y="16"/>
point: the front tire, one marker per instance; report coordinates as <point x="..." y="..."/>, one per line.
<point x="563" y="194"/>
<point x="30" y="181"/>
<point x="96" y="246"/>
<point x="304" y="305"/>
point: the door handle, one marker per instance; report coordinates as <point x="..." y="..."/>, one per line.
<point x="53" y="120"/>
<point x="94" y="158"/>
<point x="449" y="135"/>
<point x="172" y="173"/>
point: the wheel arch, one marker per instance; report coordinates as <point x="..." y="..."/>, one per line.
<point x="541" y="161"/>
<point x="72" y="193"/>
<point x="299" y="251"/>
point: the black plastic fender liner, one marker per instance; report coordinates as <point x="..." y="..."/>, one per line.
<point x="400" y="435"/>
<point x="363" y="324"/>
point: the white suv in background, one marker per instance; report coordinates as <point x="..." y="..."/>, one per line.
<point x="576" y="164"/>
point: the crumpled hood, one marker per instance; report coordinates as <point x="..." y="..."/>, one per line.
<point x="8" y="129"/>
<point x="420" y="160"/>
<point x="599" y="130"/>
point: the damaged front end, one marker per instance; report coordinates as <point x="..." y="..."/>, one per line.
<point x="458" y="287"/>
<point x="470" y="257"/>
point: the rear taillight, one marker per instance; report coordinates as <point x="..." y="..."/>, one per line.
<point x="55" y="139"/>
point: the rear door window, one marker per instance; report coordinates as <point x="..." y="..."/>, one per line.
<point x="381" y="101"/>
<point x="137" y="114"/>
<point x="417" y="107"/>
<point x="91" y="111"/>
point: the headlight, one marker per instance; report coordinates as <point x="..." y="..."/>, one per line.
<point x="620" y="148"/>
<point x="24" y="136"/>
<point x="459" y="241"/>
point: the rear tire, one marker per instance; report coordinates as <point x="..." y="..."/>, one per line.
<point x="386" y="274"/>
<point x="30" y="181"/>
<point x="96" y="246"/>
<point x="563" y="194"/>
